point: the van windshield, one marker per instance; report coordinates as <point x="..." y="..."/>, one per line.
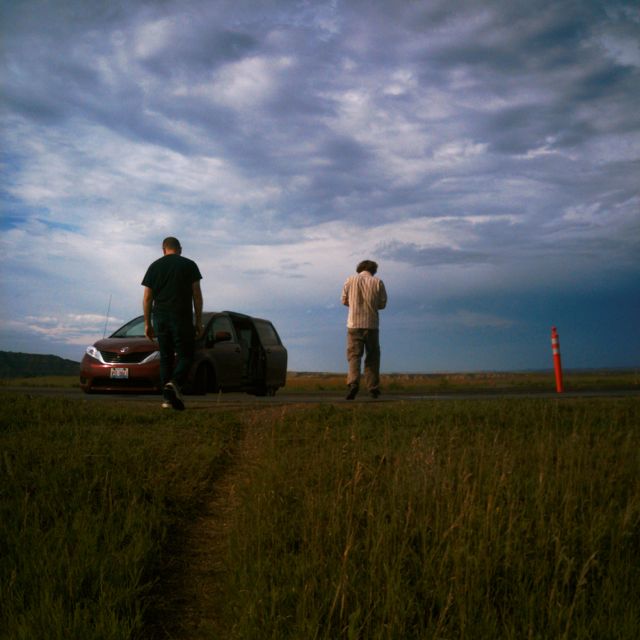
<point x="133" y="329"/>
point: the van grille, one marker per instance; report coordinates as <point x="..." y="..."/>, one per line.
<point x="113" y="357"/>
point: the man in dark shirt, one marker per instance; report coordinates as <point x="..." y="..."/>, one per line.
<point x="172" y="302"/>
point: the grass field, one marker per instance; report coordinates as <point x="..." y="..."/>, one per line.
<point x="473" y="519"/>
<point x="88" y="495"/>
<point x="434" y="383"/>
<point x="487" y="518"/>
<point x="451" y="383"/>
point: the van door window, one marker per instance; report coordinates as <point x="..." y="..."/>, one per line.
<point x="267" y="333"/>
<point x="219" y="323"/>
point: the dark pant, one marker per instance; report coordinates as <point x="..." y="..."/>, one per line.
<point x="367" y="342"/>
<point x="176" y="338"/>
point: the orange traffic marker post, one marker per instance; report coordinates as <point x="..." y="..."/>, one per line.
<point x="557" y="362"/>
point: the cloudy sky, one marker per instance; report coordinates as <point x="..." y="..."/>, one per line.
<point x="485" y="154"/>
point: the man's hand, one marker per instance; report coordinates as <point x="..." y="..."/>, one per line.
<point x="147" y="303"/>
<point x="196" y="295"/>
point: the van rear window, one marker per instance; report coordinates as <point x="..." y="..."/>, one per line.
<point x="267" y="333"/>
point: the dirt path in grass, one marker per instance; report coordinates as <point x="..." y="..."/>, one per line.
<point x="192" y="593"/>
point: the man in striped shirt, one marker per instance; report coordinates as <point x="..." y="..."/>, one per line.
<point x="364" y="294"/>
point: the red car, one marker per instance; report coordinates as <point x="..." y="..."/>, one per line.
<point x="236" y="352"/>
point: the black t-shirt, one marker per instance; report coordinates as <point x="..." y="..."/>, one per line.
<point x="171" y="279"/>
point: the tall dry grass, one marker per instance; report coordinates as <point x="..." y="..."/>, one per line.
<point x="466" y="519"/>
<point x="480" y="382"/>
<point x="512" y="518"/>
<point x="88" y="493"/>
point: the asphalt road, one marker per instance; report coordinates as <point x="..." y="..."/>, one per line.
<point x="228" y="400"/>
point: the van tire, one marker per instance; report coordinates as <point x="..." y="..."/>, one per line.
<point x="204" y="380"/>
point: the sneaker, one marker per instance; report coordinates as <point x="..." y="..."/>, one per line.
<point x="166" y="404"/>
<point x="353" y="392"/>
<point x="173" y="395"/>
<point x="374" y="393"/>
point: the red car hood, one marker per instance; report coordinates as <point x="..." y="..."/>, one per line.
<point x="132" y="345"/>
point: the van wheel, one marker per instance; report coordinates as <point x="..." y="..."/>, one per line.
<point x="203" y="381"/>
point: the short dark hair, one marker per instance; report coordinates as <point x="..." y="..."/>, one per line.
<point x="367" y="265"/>
<point x="171" y="243"/>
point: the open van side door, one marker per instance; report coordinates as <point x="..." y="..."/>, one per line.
<point x="225" y="352"/>
<point x="274" y="354"/>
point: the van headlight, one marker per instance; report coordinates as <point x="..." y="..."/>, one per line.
<point x="94" y="353"/>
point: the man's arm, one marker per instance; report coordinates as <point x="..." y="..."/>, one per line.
<point x="382" y="296"/>
<point x="196" y="293"/>
<point x="147" y="302"/>
<point x="345" y="294"/>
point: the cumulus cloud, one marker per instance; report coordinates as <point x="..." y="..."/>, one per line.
<point x="483" y="149"/>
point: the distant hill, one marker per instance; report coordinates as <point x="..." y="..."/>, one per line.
<point x="28" y="365"/>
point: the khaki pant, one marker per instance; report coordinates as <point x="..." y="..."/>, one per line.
<point x="367" y="342"/>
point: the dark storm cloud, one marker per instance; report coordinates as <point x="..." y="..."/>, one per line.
<point x="197" y="47"/>
<point x="507" y="47"/>
<point x="429" y="256"/>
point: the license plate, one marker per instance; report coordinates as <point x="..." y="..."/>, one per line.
<point x="120" y="373"/>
